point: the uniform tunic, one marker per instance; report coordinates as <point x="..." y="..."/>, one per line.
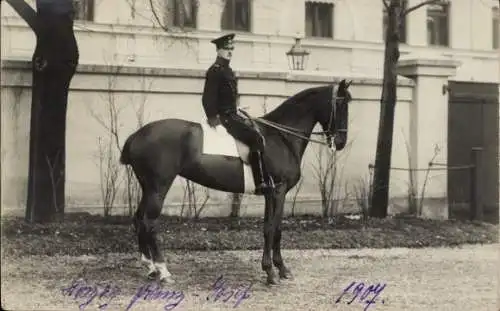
<point x="220" y="98"/>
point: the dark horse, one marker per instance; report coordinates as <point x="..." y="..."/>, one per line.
<point x="162" y="150"/>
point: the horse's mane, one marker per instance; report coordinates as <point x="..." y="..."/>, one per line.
<point x="294" y="101"/>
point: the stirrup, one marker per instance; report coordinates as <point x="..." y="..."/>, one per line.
<point x="264" y="187"/>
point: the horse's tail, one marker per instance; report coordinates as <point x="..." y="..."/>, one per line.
<point x="125" y="154"/>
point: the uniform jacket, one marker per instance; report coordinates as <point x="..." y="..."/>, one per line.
<point x="221" y="89"/>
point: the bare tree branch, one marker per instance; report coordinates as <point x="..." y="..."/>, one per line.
<point x="25" y="11"/>
<point x="418" y="6"/>
<point x="157" y="18"/>
<point x="386" y="4"/>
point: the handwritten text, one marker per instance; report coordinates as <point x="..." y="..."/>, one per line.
<point x="104" y="293"/>
<point x="223" y="292"/>
<point x="366" y="294"/>
<point x="80" y="290"/>
<point x="150" y="291"/>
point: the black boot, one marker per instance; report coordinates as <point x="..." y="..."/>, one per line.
<point x="256" y="162"/>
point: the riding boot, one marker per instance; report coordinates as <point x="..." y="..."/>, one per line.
<point x="261" y="186"/>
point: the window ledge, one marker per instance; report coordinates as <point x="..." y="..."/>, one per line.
<point x="322" y="1"/>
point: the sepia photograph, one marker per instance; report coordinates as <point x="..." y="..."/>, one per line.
<point x="253" y="155"/>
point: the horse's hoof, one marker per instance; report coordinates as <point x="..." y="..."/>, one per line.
<point x="153" y="275"/>
<point x="271" y="281"/>
<point x="286" y="274"/>
<point x="167" y="280"/>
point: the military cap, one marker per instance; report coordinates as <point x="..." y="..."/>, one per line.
<point x="224" y="42"/>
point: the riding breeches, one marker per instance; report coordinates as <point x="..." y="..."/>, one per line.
<point x="241" y="129"/>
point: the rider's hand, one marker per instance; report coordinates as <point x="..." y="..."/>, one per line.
<point x="213" y="122"/>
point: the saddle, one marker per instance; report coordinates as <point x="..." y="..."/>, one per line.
<point x="218" y="141"/>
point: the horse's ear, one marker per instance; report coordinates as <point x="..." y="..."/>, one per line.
<point x="342" y="84"/>
<point x="348" y="84"/>
<point x="341" y="88"/>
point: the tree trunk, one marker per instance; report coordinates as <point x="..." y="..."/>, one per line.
<point x="53" y="66"/>
<point x="381" y="178"/>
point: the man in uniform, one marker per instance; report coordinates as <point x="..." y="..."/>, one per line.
<point x="219" y="99"/>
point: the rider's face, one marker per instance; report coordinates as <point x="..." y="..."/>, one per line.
<point x="224" y="53"/>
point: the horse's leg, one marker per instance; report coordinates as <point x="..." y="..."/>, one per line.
<point x="137" y="220"/>
<point x="279" y="202"/>
<point x="143" y="239"/>
<point x="267" y="265"/>
<point x="154" y="197"/>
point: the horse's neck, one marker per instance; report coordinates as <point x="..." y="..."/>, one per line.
<point x="303" y="123"/>
<point x="302" y="143"/>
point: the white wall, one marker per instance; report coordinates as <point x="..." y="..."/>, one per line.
<point x="163" y="92"/>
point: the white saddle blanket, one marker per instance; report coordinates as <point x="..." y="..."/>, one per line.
<point x="218" y="141"/>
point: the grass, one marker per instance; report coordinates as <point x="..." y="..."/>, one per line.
<point x="86" y="234"/>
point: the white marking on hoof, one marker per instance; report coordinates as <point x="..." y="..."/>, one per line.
<point x="149" y="264"/>
<point x="165" y="275"/>
<point x="168" y="280"/>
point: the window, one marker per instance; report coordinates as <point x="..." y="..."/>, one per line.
<point x="182" y="13"/>
<point x="319" y="19"/>
<point x="236" y="15"/>
<point x="437" y="24"/>
<point x="402" y="25"/>
<point x="84" y="10"/>
<point x="496" y="34"/>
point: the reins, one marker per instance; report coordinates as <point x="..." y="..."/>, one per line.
<point x="290" y="131"/>
<point x="295" y="132"/>
<point x="280" y="127"/>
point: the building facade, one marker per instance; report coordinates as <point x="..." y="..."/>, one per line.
<point x="162" y="51"/>
<point x="345" y="37"/>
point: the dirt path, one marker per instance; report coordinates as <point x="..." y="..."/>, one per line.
<point x="424" y="279"/>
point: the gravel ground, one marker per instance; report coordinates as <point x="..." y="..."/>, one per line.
<point x="454" y="279"/>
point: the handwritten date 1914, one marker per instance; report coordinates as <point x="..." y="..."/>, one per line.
<point x="366" y="294"/>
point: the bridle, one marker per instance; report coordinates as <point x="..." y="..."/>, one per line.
<point x="333" y="114"/>
<point x="299" y="133"/>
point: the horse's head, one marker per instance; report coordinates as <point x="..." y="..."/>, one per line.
<point x="334" y="116"/>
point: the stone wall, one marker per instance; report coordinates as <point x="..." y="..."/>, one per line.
<point x="177" y="93"/>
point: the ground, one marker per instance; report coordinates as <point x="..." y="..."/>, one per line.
<point x="39" y="261"/>
<point x="86" y="234"/>
<point x="452" y="279"/>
